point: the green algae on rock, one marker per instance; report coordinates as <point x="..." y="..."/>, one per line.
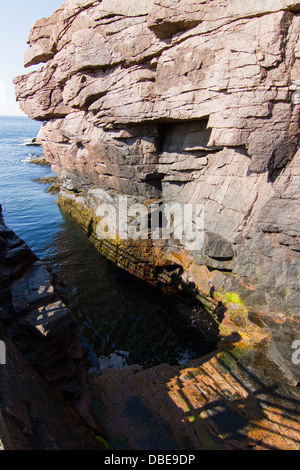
<point x="39" y="161"/>
<point x="52" y="181"/>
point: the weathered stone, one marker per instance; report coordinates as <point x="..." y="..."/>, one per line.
<point x="33" y="289"/>
<point x="217" y="247"/>
<point x="2" y="244"/>
<point x="18" y="253"/>
<point x="45" y="401"/>
<point x="50" y="320"/>
<point x="32" y="415"/>
<point x="186" y="102"/>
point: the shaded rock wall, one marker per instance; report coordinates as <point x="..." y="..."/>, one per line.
<point x="45" y="402"/>
<point x="181" y="101"/>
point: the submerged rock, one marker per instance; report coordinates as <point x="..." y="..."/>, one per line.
<point x="52" y="181"/>
<point x="39" y="161"/>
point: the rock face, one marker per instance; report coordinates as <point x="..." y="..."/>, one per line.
<point x="45" y="402"/>
<point x="189" y="102"/>
<point x="215" y="405"/>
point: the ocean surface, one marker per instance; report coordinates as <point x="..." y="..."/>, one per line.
<point x="122" y="320"/>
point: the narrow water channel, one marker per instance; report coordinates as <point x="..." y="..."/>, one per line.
<point x="122" y="320"/>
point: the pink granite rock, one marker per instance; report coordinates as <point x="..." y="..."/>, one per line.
<point x="182" y="101"/>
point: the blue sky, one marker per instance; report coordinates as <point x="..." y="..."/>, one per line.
<point x="16" y="19"/>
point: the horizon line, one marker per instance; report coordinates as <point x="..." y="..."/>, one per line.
<point x="16" y="115"/>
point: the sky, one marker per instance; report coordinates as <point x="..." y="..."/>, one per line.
<point x="16" y="20"/>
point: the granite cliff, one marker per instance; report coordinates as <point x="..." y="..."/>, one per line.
<point x="184" y="101"/>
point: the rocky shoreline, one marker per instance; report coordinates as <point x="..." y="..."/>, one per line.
<point x="181" y="111"/>
<point x="228" y="400"/>
<point x="187" y="104"/>
<point x="45" y="401"/>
